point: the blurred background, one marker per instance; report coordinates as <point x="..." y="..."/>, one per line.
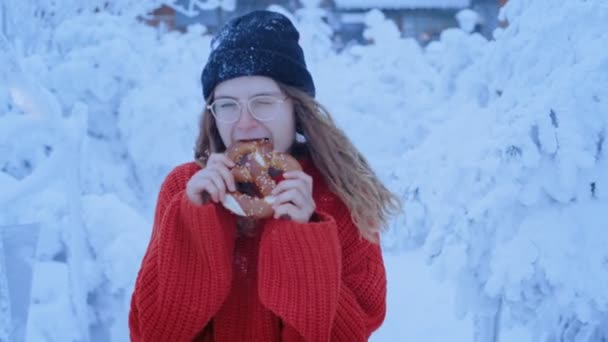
<point x="418" y="19"/>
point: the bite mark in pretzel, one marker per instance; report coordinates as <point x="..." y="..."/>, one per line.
<point x="257" y="170"/>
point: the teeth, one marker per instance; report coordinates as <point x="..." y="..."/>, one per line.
<point x="252" y="139"/>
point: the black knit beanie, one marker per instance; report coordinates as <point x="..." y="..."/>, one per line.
<point x="260" y="43"/>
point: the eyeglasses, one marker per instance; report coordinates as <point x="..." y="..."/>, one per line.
<point x="262" y="108"/>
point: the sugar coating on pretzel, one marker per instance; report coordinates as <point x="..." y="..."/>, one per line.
<point x="257" y="170"/>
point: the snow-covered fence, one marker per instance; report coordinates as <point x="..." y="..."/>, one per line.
<point x="46" y="161"/>
<point x="18" y="245"/>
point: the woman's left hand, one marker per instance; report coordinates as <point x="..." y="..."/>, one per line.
<point x="293" y="197"/>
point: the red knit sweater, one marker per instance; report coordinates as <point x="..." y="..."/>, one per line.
<point x="316" y="281"/>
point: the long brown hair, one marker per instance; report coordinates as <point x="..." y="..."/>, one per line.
<point x="344" y="169"/>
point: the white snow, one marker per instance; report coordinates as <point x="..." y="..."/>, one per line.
<point x="498" y="149"/>
<point x="467" y="19"/>
<point x="401" y="4"/>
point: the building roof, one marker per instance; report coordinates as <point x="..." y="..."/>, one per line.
<point x="402" y="4"/>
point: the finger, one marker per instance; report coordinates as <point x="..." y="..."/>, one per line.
<point x="219" y="167"/>
<point x="213" y="160"/>
<point x="196" y="198"/>
<point x="210" y="188"/>
<point x="287" y="184"/>
<point x="287" y="210"/>
<point x="298" y="174"/>
<point x="226" y="161"/>
<point x="228" y="178"/>
<point x="220" y="159"/>
<point x="307" y="179"/>
<point x="218" y="181"/>
<point x="290" y="196"/>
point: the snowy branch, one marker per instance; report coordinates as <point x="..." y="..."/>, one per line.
<point x="195" y="6"/>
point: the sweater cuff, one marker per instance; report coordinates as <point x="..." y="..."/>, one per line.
<point x="299" y="274"/>
<point x="186" y="273"/>
<point x="209" y="223"/>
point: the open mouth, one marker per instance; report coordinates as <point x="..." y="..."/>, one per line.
<point x="254" y="139"/>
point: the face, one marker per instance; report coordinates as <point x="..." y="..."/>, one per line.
<point x="280" y="129"/>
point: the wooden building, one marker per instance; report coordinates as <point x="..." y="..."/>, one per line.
<point x="420" y="19"/>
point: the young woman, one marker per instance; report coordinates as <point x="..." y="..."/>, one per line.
<point x="313" y="271"/>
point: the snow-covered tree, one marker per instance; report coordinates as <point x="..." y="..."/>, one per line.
<point x="315" y="32"/>
<point x="76" y="163"/>
<point x="509" y="188"/>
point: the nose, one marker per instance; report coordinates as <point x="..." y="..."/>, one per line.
<point x="246" y="120"/>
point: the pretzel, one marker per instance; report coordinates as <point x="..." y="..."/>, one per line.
<point x="257" y="172"/>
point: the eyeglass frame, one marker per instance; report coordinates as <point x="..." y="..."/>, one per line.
<point x="279" y="100"/>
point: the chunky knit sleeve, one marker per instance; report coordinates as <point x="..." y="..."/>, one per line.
<point x="322" y="279"/>
<point x="186" y="272"/>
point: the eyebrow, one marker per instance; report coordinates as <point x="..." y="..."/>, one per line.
<point x="271" y="93"/>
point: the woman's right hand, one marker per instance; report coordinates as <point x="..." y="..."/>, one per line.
<point x="211" y="181"/>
